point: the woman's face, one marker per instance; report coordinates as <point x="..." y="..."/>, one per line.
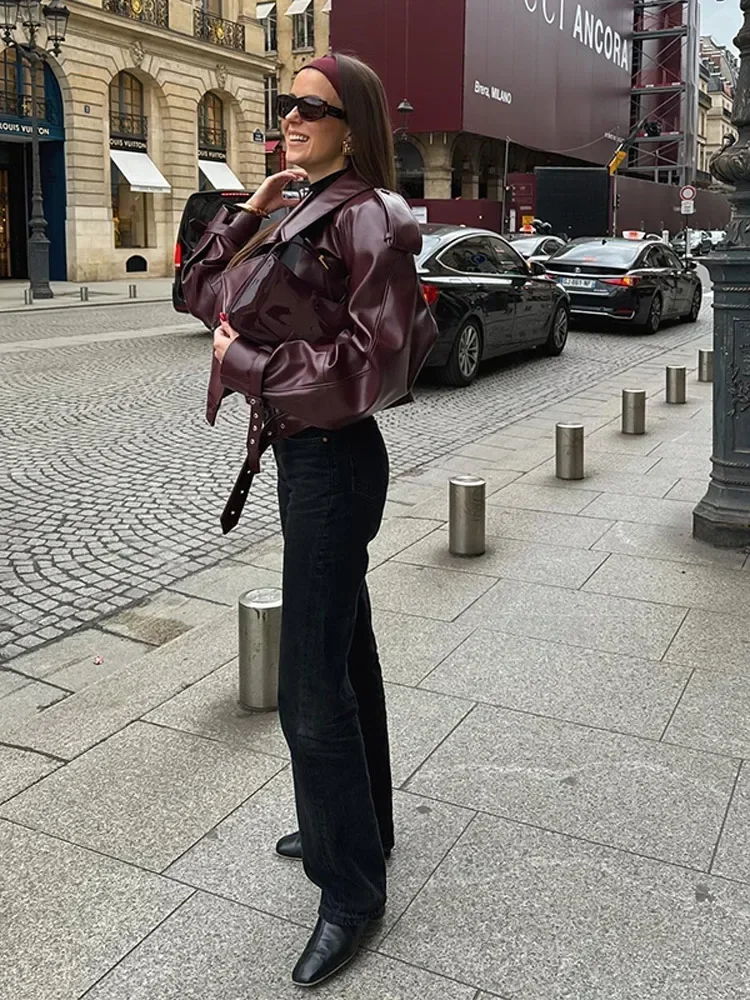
<point x="315" y="146"/>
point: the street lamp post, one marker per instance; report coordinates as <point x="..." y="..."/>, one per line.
<point x="28" y="16"/>
<point x="722" y="517"/>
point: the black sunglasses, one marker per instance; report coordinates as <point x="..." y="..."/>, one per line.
<point x="310" y="109"/>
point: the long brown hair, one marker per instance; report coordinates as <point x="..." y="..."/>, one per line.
<point x="364" y="100"/>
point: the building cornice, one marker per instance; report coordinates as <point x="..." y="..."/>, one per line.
<point x="93" y="22"/>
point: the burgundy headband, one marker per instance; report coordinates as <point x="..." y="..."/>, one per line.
<point x="328" y="66"/>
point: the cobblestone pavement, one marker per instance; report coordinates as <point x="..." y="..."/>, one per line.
<point x="111" y="483"/>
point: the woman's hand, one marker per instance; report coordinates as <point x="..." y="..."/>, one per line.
<point x="224" y="335"/>
<point x="268" y="196"/>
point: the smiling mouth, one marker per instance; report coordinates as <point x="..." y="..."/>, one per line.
<point x="297" y="137"/>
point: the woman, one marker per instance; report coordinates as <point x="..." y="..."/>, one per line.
<point x="338" y="330"/>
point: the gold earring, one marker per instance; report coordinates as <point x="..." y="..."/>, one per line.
<point x="348" y="147"/>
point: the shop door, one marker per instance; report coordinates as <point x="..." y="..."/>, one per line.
<point x="5" y="234"/>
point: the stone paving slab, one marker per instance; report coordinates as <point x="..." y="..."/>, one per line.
<point x="69" y="915"/>
<point x="733" y="855"/>
<point x="237" y="860"/>
<point x="532" y="496"/>
<point x="664" y="543"/>
<point x="101" y="709"/>
<point x="396" y="534"/>
<point x="418" y="720"/>
<point x="657" y="800"/>
<point x="643" y="510"/>
<point x="541" y="526"/>
<point x="26" y="702"/>
<point x="224" y="583"/>
<point x="714" y="713"/>
<point x="568" y="683"/>
<point x="687" y="488"/>
<point x="66" y="661"/>
<point x="487" y="457"/>
<point x="509" y="558"/>
<point x="604" y="481"/>
<point x="430" y="592"/>
<point x="595" y="621"/>
<point x="410" y="646"/>
<point x="212" y="949"/>
<point x="143" y="796"/>
<point x="20" y="768"/>
<point x="720" y="643"/>
<point x="162" y="618"/>
<point x="712" y="588"/>
<point x="540" y="916"/>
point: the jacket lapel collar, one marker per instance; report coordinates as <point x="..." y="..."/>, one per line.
<point x="307" y="212"/>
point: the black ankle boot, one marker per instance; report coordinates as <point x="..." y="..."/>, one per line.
<point x="329" y="949"/>
<point x="290" y="847"/>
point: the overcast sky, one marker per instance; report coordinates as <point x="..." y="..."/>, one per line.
<point x="720" y="19"/>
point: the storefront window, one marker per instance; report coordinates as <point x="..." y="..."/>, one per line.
<point x="8" y="83"/>
<point x="15" y="87"/>
<point x="130" y="209"/>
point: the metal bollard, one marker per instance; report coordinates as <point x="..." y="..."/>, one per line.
<point x="633" y="411"/>
<point x="84" y="293"/>
<point x="705" y="366"/>
<point x="260" y="633"/>
<point x="132" y="291"/>
<point x="676" y="384"/>
<point x="569" y="451"/>
<point x="28" y="297"/>
<point x="466" y="515"/>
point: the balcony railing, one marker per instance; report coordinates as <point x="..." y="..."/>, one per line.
<point x="20" y="107"/>
<point x="210" y="137"/>
<point x="216" y="30"/>
<point x="149" y="11"/>
<point x="128" y="126"/>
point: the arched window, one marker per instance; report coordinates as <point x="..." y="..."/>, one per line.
<point x="126" y="115"/>
<point x="410" y="169"/>
<point x="211" y="131"/>
<point x="15" y="86"/>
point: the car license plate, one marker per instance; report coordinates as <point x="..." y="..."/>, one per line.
<point x="578" y="282"/>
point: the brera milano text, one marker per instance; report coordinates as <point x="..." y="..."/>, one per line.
<point x="587" y="28"/>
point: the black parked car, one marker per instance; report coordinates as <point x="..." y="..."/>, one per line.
<point x="487" y="300"/>
<point x="626" y="280"/>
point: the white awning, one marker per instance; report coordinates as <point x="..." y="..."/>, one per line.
<point x="326" y="8"/>
<point x="220" y="176"/>
<point x="263" y="10"/>
<point x="297" y="7"/>
<point x="140" y="171"/>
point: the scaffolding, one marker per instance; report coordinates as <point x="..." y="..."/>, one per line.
<point x="664" y="95"/>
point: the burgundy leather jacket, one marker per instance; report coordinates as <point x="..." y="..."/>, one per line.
<point x="370" y="332"/>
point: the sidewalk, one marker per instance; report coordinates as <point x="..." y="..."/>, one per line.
<point x="68" y="293"/>
<point x="569" y="715"/>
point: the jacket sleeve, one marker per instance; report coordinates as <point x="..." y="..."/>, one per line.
<point x="201" y="273"/>
<point x="370" y="364"/>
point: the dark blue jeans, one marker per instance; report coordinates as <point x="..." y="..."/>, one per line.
<point x="332" y="489"/>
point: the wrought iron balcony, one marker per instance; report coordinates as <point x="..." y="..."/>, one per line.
<point x="128" y="126"/>
<point x="210" y="137"/>
<point x="20" y="107"/>
<point x="216" y="30"/>
<point x="149" y="11"/>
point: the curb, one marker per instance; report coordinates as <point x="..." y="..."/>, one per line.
<point x="14" y="310"/>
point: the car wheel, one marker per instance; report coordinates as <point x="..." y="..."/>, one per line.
<point x="463" y="364"/>
<point x="653" y="322"/>
<point x="558" y="333"/>
<point x="695" y="307"/>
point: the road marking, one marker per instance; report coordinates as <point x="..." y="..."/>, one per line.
<point x="19" y="346"/>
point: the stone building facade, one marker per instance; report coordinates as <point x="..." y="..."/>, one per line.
<point x="142" y="91"/>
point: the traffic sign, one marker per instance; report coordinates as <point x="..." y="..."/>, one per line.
<point x="687" y="193"/>
<point x="687" y="208"/>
